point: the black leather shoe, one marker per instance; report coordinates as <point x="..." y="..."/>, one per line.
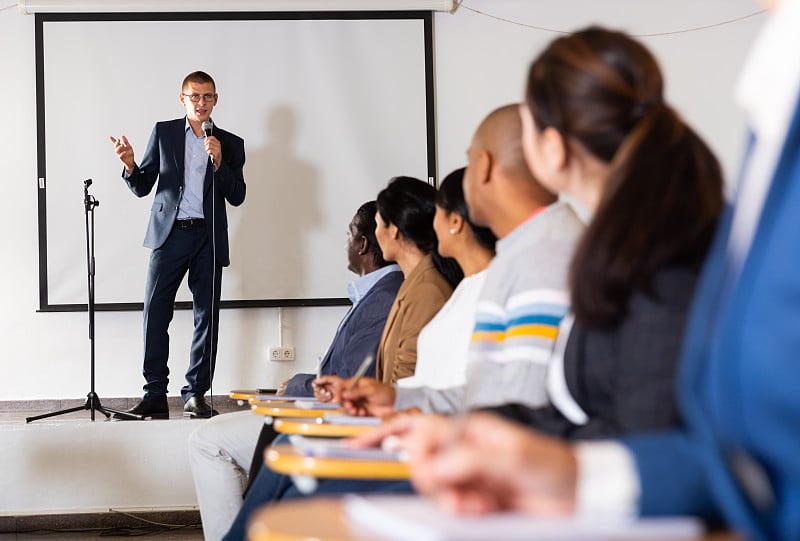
<point x="152" y="409"/>
<point x="197" y="408"/>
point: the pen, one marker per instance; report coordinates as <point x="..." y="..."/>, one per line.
<point x="360" y="372"/>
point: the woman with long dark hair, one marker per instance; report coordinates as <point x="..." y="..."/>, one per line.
<point x="406" y="209"/>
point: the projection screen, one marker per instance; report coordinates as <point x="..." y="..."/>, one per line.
<point x="330" y="105"/>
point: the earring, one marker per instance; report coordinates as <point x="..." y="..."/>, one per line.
<point x="452" y="230"/>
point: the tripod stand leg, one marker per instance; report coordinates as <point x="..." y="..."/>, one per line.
<point x="54" y="413"/>
<point x="93" y="404"/>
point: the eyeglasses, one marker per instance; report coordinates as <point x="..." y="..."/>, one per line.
<point x="194" y="98"/>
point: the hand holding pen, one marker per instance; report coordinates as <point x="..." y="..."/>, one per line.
<point x="330" y="388"/>
<point x="368" y="396"/>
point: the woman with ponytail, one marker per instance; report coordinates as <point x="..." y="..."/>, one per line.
<point x="596" y="127"/>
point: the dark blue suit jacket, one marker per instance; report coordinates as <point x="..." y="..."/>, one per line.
<point x="358" y="337"/>
<point x="739" y="456"/>
<point x="163" y="161"/>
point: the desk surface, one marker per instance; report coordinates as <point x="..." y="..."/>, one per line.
<point x="289" y="521"/>
<point x="318" y="427"/>
<point x="243" y="395"/>
<point x="288" y="409"/>
<point x="285" y="458"/>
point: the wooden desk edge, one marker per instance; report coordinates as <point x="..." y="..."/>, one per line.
<point x="312" y="427"/>
<point x="284" y="458"/>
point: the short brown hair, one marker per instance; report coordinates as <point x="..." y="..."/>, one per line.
<point x="198" y="77"/>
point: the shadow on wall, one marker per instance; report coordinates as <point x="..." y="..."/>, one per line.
<point x="270" y="256"/>
<point x="269" y="251"/>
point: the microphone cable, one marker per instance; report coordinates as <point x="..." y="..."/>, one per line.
<point x="208" y="127"/>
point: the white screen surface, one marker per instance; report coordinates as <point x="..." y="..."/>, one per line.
<point x="329" y="110"/>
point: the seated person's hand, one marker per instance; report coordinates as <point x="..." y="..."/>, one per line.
<point x="367" y="397"/>
<point x="328" y="388"/>
<point x="483" y="464"/>
<point x="281" y="391"/>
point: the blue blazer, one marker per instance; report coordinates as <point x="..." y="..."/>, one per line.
<point x="356" y="338"/>
<point x="739" y="456"/>
<point x="163" y="161"/>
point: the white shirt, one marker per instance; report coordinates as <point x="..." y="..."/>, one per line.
<point x="443" y="343"/>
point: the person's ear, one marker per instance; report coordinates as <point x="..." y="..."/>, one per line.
<point x="554" y="149"/>
<point x="363" y="245"/>
<point x="455" y="222"/>
<point x="394" y="232"/>
<point x="483" y="166"/>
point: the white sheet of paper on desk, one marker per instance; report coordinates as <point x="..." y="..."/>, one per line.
<point x="413" y="517"/>
<point x="314" y="405"/>
<point x="352" y="420"/>
<point x="332" y="448"/>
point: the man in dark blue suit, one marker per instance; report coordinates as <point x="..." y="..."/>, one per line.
<point x="198" y="168"/>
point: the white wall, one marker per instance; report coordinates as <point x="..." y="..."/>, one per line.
<point x="480" y="64"/>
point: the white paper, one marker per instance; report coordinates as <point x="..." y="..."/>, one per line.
<point x="413" y="517"/>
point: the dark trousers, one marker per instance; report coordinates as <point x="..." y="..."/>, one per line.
<point x="184" y="250"/>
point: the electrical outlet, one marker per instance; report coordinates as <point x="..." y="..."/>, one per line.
<point x="281" y="353"/>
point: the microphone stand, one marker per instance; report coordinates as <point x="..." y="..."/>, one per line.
<point x="92" y="400"/>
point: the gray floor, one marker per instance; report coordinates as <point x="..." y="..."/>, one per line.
<point x="20" y="410"/>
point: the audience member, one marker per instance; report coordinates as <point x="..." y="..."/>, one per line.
<point x="596" y="127"/>
<point x="221" y="449"/>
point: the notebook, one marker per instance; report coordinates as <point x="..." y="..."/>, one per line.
<point x="413" y="517"/>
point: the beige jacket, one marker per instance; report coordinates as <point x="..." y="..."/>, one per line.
<point x="422" y="294"/>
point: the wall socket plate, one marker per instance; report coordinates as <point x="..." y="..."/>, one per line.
<point x="281" y="353"/>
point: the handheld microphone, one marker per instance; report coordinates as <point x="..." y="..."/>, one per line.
<point x="208" y="127"/>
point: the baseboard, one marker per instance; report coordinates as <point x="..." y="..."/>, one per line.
<point x="110" y="519"/>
